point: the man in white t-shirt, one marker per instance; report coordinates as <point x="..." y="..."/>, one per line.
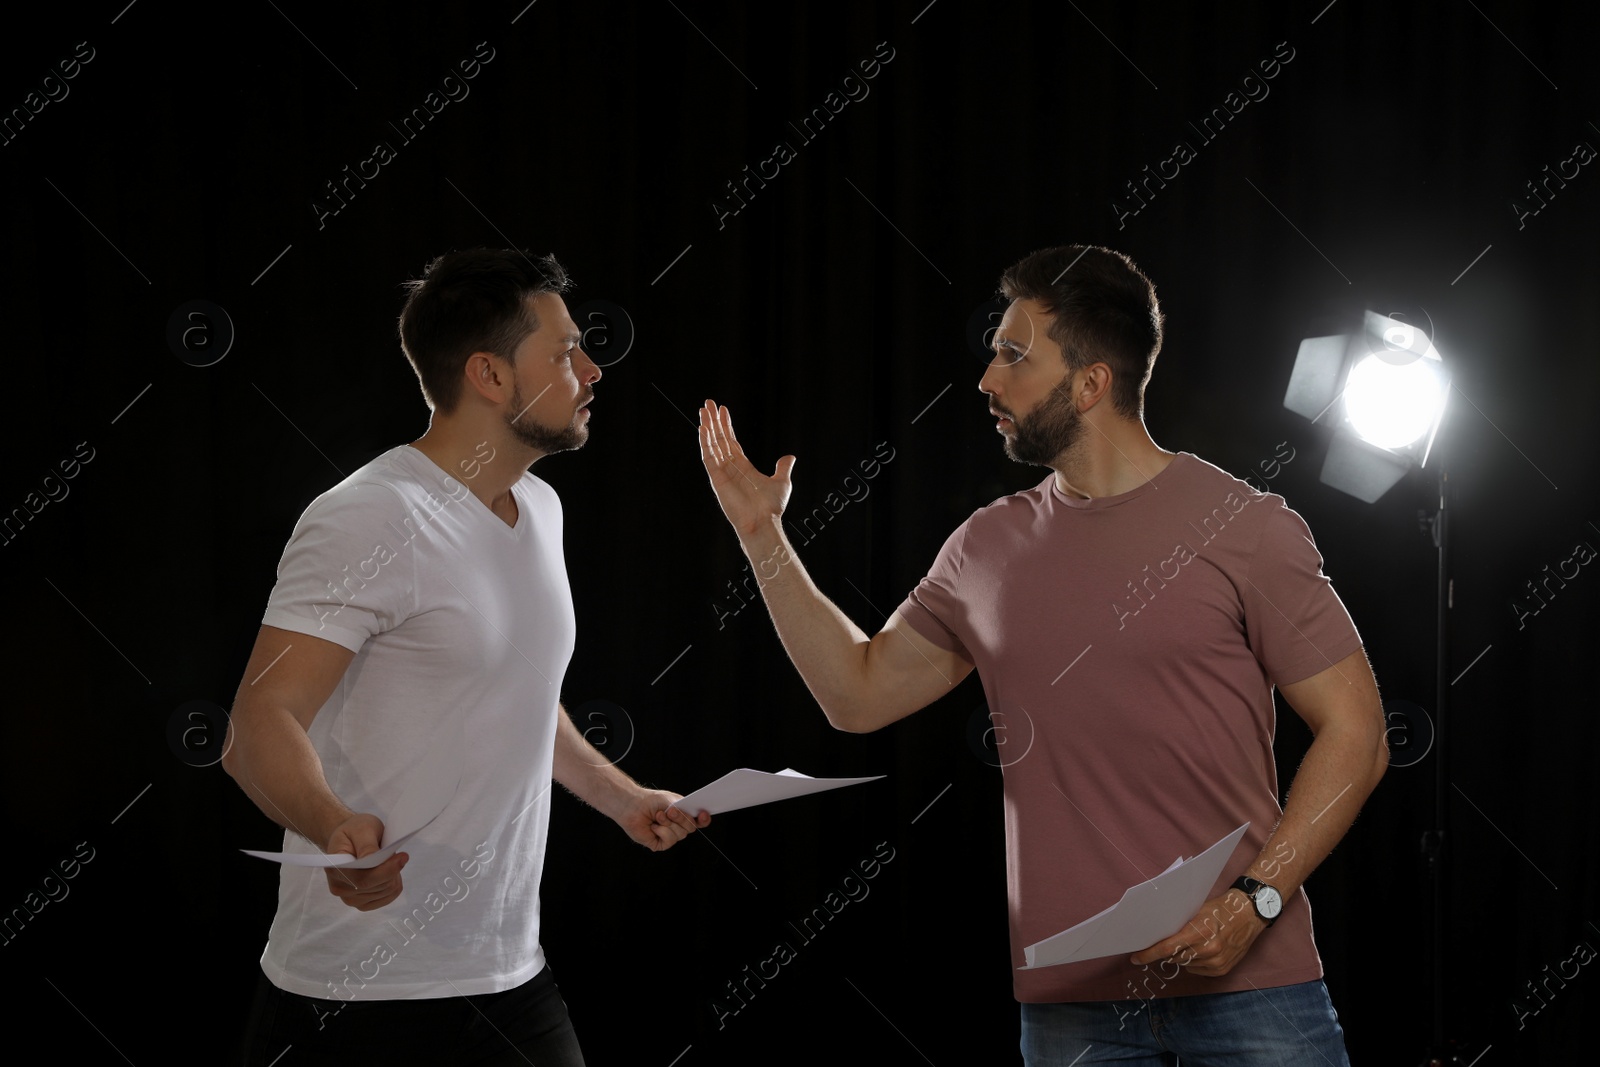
<point x="419" y="631"/>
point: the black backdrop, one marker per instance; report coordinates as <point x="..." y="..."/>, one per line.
<point x="185" y="159"/>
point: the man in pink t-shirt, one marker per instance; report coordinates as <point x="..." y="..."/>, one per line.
<point x="1129" y="617"/>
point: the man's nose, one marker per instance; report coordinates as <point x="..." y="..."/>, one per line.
<point x="591" y="372"/>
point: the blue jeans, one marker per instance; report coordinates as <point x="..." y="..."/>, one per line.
<point x="1282" y="1026"/>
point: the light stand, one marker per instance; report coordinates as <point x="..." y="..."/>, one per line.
<point x="1442" y="1052"/>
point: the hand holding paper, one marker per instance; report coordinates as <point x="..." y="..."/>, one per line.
<point x="369" y="887"/>
<point x="429" y="791"/>
<point x="653" y="822"/>
<point x="1146" y="913"/>
<point x="1213" y="942"/>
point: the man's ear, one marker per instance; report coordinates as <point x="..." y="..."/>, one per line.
<point x="489" y="376"/>
<point x="1093" y="385"/>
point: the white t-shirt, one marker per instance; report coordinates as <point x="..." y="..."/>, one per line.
<point x="460" y="623"/>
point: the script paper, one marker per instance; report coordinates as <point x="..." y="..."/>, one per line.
<point x="431" y="788"/>
<point x="1147" y="912"/>
<point x="745" y="788"/>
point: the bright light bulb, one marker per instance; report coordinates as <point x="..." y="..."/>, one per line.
<point x="1393" y="405"/>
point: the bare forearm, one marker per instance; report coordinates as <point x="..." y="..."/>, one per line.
<point x="591" y="777"/>
<point x="827" y="648"/>
<point x="274" y="762"/>
<point x="861" y="683"/>
<point x="1340" y="770"/>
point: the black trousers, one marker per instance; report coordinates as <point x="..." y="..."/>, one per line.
<point x="513" y="1027"/>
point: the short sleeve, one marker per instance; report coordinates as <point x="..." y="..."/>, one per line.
<point x="347" y="572"/>
<point x="1295" y="622"/>
<point x="931" y="606"/>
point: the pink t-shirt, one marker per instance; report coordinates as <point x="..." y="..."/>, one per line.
<point x="1128" y="647"/>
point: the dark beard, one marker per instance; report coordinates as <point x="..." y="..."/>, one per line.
<point x="543" y="438"/>
<point x="1048" y="431"/>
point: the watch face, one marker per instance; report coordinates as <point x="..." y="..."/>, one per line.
<point x="1268" y="902"/>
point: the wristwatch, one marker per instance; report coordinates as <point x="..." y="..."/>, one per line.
<point x="1268" y="901"/>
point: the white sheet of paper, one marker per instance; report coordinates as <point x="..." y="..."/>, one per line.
<point x="432" y="786"/>
<point x="1146" y="913"/>
<point x="745" y="788"/>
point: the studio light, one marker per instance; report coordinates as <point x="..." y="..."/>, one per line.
<point x="1384" y="389"/>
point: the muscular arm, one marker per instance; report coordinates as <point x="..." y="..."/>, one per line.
<point x="861" y="683"/>
<point x="645" y="814"/>
<point x="288" y="679"/>
<point x="1347" y="757"/>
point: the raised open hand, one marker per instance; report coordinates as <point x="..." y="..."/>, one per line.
<point x="749" y="498"/>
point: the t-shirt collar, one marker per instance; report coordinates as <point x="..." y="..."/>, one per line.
<point x="1098" y="502"/>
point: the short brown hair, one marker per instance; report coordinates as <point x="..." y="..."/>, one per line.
<point x="471" y="301"/>
<point x="1104" y="310"/>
